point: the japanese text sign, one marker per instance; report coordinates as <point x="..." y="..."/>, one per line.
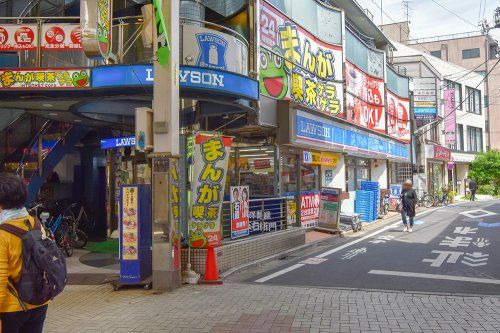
<point x="441" y="153"/>
<point x="298" y="66"/>
<point x="365" y="99"/>
<point x="130" y="236"/>
<point x="18" y="37"/>
<point x="240" y="209"/>
<point x="44" y="78"/>
<point x="398" y="117"/>
<point x="211" y="157"/>
<point x="450" y="116"/>
<point x="61" y="37"/>
<point x="309" y="209"/>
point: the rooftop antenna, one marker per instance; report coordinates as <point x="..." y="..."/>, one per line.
<point x="406" y="6"/>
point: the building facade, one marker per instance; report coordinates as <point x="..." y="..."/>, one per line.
<point x="473" y="51"/>
<point x="450" y="127"/>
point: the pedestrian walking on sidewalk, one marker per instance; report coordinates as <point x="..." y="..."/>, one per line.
<point x="17" y="316"/>
<point x="409" y="201"/>
<point x="473" y="189"/>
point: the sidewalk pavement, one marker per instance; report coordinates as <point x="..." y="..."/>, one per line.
<point x="257" y="308"/>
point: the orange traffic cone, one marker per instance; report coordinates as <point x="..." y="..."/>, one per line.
<point x="211" y="270"/>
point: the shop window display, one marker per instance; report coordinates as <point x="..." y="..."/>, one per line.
<point x="358" y="170"/>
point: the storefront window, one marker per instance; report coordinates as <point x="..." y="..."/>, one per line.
<point x="256" y="169"/>
<point x="289" y="181"/>
<point x="358" y="170"/>
<point x="310" y="177"/>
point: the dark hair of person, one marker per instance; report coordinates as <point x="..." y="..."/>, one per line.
<point x="13" y="191"/>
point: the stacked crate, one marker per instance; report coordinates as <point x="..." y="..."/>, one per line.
<point x="375" y="188"/>
<point x="363" y="205"/>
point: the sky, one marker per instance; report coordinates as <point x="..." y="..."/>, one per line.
<point x="428" y="19"/>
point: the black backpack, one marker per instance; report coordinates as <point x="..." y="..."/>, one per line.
<point x="43" y="272"/>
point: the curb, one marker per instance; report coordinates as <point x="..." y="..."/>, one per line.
<point x="265" y="260"/>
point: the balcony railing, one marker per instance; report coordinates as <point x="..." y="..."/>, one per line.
<point x="128" y="45"/>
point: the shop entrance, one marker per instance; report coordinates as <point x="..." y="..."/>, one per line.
<point x="358" y="170"/>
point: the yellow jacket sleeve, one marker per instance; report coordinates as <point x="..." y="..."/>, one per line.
<point x="4" y="270"/>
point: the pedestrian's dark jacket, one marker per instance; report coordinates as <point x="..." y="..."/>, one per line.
<point x="473" y="185"/>
<point x="409" y="200"/>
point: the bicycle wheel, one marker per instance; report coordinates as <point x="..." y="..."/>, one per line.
<point x="80" y="239"/>
<point x="427" y="201"/>
<point x="66" y="244"/>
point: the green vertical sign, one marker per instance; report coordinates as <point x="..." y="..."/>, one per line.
<point x="163" y="51"/>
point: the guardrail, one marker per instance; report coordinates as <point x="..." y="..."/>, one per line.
<point x="266" y="215"/>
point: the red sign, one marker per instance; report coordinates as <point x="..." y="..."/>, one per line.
<point x="309" y="209"/>
<point x="240" y="209"/>
<point x="441" y="153"/>
<point x="398" y="117"/>
<point x="61" y="37"/>
<point x="262" y="164"/>
<point x="366" y="87"/>
<point x="365" y="99"/>
<point x="17" y="37"/>
<point x="365" y="114"/>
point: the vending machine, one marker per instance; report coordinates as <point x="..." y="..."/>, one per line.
<point x="135" y="235"/>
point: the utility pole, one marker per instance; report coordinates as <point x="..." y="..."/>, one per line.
<point x="165" y="159"/>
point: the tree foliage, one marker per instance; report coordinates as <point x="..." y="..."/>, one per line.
<point x="486" y="169"/>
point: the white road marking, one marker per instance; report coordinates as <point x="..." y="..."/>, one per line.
<point x="278" y="273"/>
<point x="327" y="253"/>
<point x="435" y="276"/>
<point x="313" y="261"/>
<point x="478" y="213"/>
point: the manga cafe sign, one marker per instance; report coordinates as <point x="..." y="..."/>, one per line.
<point x="44" y="78"/>
<point x="296" y="65"/>
<point x="398" y="117"/>
<point x="18" y="37"/>
<point x="210" y="158"/>
<point x="365" y="99"/>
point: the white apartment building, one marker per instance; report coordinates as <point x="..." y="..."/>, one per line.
<point x="444" y="157"/>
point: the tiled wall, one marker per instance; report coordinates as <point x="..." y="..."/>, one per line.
<point x="236" y="253"/>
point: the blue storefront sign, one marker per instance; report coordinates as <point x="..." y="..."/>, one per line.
<point x="190" y="77"/>
<point x="110" y="143"/>
<point x="424" y="113"/>
<point x="309" y="128"/>
<point x="265" y="216"/>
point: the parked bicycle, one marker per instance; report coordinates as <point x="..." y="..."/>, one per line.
<point x="425" y="199"/>
<point x="62" y="227"/>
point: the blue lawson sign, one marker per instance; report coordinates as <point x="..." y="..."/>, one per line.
<point x="190" y="77"/>
<point x="313" y="130"/>
<point x="110" y="143"/>
<point x="423" y="113"/>
<point x="213" y="50"/>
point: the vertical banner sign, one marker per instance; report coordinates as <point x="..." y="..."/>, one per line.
<point x="329" y="208"/>
<point x="398" y="117"/>
<point x="104" y="27"/>
<point x="163" y="47"/>
<point x="240" y="208"/>
<point x="364" y="99"/>
<point x="130" y="236"/>
<point x="175" y="211"/>
<point x="450" y="116"/>
<point x="211" y="157"/>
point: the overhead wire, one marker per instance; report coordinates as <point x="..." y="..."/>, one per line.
<point x="461" y="103"/>
<point x="455" y="14"/>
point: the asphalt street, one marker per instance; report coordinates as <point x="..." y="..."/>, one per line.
<point x="454" y="249"/>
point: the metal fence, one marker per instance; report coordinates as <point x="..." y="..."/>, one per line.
<point x="266" y="215"/>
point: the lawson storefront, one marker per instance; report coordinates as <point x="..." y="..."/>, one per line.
<point x="356" y="155"/>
